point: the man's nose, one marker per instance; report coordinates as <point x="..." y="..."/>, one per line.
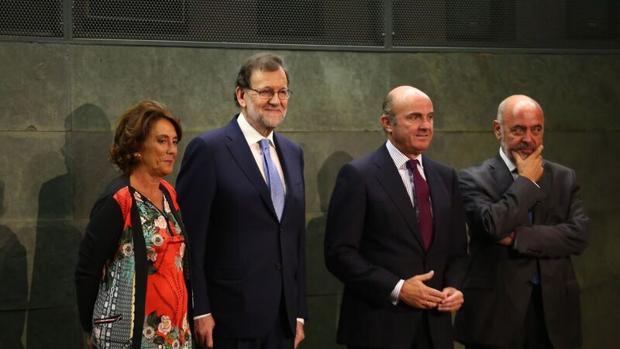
<point x="274" y="99"/>
<point x="425" y="124"/>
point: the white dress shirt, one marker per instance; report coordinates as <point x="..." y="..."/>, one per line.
<point x="253" y="138"/>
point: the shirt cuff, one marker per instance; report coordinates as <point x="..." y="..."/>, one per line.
<point x="536" y="184"/>
<point x="396" y="291"/>
<point x="302" y="321"/>
<point x="514" y="242"/>
<point x="201" y="316"/>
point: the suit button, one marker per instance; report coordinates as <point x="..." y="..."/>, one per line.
<point x="278" y="266"/>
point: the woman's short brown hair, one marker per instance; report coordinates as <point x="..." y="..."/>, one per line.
<point x="132" y="129"/>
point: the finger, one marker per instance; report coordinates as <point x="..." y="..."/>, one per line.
<point x="210" y="339"/>
<point x="450" y="297"/>
<point x="431" y="293"/>
<point x="435" y="302"/>
<point x="200" y="339"/>
<point x="452" y="304"/>
<point x="425" y="277"/>
<point x="204" y="343"/>
<point x="298" y="340"/>
<point x="447" y="308"/>
<point x="448" y="304"/>
<point x="427" y="304"/>
<point x="538" y="150"/>
<point x="517" y="157"/>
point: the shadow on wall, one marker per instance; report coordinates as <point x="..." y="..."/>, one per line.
<point x="323" y="288"/>
<point x="53" y="321"/>
<point x="13" y="272"/>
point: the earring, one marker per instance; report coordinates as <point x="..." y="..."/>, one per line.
<point x="137" y="155"/>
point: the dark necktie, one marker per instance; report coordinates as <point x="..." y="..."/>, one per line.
<point x="422" y="204"/>
<point x="535" y="277"/>
<point x="273" y="179"/>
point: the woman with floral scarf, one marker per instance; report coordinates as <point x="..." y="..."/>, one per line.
<point x="132" y="277"/>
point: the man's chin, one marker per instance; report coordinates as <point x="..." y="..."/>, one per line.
<point x="274" y="121"/>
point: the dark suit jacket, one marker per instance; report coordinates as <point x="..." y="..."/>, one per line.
<point x="243" y="260"/>
<point x="497" y="288"/>
<point x="372" y="241"/>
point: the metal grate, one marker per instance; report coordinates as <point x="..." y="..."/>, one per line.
<point x="588" y="22"/>
<point x="298" y="22"/>
<point x="453" y="22"/>
<point x="330" y="24"/>
<point x="42" y="18"/>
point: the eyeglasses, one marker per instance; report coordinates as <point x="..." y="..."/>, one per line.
<point x="267" y="93"/>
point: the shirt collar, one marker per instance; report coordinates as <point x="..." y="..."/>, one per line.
<point x="400" y="159"/>
<point x="511" y="166"/>
<point x="249" y="132"/>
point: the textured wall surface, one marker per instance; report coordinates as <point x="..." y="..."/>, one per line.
<point x="59" y="103"/>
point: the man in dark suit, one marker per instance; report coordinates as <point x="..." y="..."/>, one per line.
<point x="241" y="191"/>
<point x="395" y="236"/>
<point x="526" y="219"/>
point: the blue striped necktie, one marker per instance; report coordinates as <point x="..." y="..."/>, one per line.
<point x="273" y="179"/>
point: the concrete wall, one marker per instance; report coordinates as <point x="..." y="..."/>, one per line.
<point x="59" y="103"/>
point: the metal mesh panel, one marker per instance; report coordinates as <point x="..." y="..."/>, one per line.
<point x="453" y="22"/>
<point x="41" y="18"/>
<point x="339" y="24"/>
<point x="588" y="22"/>
<point x="305" y="22"/>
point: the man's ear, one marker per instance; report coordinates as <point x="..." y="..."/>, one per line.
<point x="240" y="93"/>
<point x="385" y="122"/>
<point x="497" y="129"/>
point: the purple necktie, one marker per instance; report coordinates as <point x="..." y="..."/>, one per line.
<point x="422" y="203"/>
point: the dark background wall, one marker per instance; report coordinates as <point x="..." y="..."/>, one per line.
<point x="59" y="103"/>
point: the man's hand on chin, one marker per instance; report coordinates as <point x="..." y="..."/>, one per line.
<point x="530" y="167"/>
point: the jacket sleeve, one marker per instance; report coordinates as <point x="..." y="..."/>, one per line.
<point x="301" y="271"/>
<point x="196" y="189"/>
<point x="566" y="237"/>
<point x="495" y="218"/>
<point x="98" y="246"/>
<point x="343" y="236"/>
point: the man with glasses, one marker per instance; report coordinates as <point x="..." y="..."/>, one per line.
<point x="241" y="191"/>
<point x="526" y="220"/>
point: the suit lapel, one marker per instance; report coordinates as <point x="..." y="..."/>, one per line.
<point x="500" y="173"/>
<point x="439" y="196"/>
<point x="240" y="151"/>
<point x="290" y="170"/>
<point x="540" y="209"/>
<point x="389" y="178"/>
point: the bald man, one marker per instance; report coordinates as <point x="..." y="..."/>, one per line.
<point x="526" y="220"/>
<point x="395" y="236"/>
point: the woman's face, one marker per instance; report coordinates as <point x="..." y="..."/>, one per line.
<point x="159" y="150"/>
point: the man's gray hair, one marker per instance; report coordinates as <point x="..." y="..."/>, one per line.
<point x="388" y="104"/>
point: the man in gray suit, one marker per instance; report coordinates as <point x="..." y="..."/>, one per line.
<point x="526" y="220"/>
